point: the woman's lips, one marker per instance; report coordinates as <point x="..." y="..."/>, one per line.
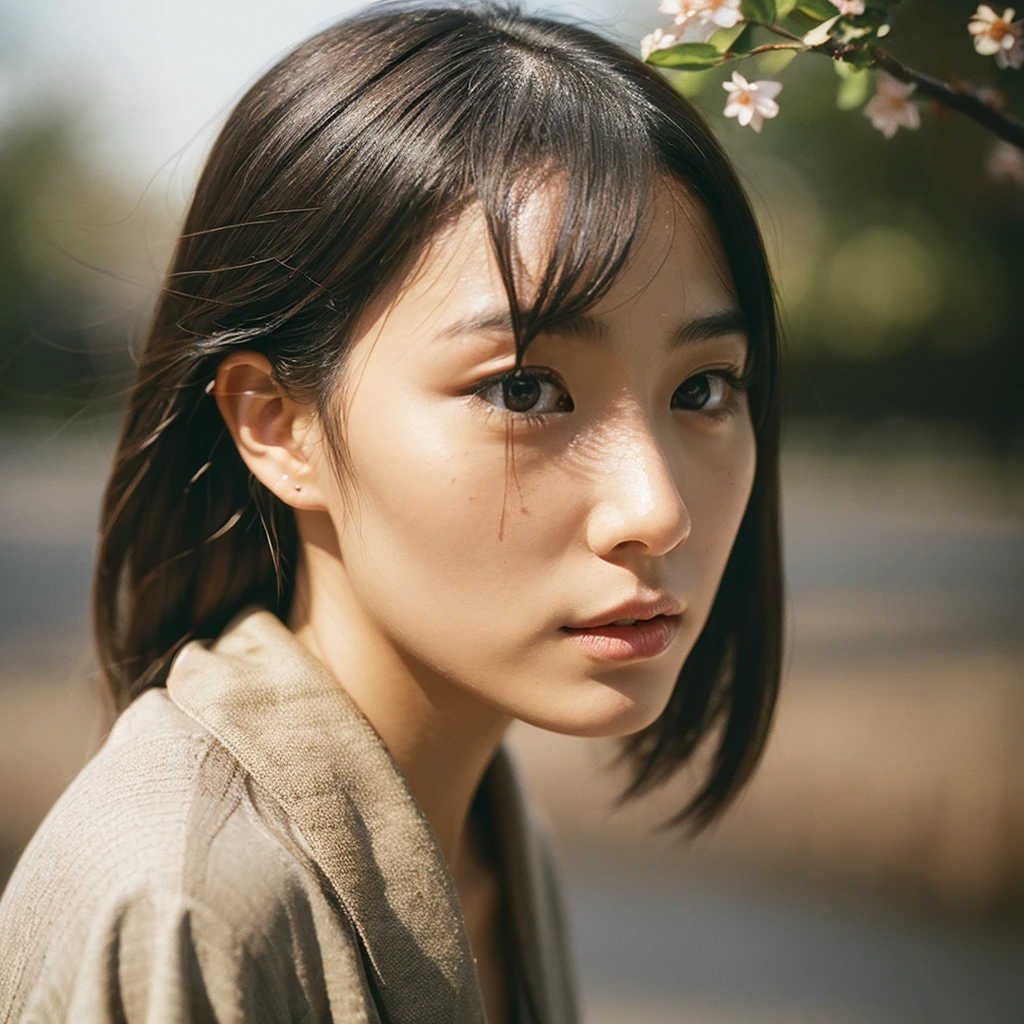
<point x="645" y="639"/>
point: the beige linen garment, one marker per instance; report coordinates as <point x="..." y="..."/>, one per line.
<point x="243" y="847"/>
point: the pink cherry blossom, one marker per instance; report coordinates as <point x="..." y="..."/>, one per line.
<point x="995" y="35"/>
<point x="699" y="20"/>
<point x="1005" y="163"/>
<point x="751" y="102"/>
<point x="1013" y="56"/>
<point x="849" y="7"/>
<point x="657" y="40"/>
<point x="890" y="108"/>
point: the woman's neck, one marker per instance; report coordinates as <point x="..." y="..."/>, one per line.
<point x="441" y="736"/>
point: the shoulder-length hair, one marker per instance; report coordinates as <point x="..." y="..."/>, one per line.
<point x="330" y="175"/>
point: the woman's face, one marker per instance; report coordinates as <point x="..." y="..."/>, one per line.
<point x="484" y="520"/>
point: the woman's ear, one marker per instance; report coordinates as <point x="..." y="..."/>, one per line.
<point x="275" y="435"/>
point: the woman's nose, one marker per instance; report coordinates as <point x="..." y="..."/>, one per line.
<point x="638" y="498"/>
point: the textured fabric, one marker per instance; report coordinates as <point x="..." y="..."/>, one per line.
<point x="243" y="847"/>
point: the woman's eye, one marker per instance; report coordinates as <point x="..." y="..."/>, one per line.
<point x="529" y="393"/>
<point x="703" y="392"/>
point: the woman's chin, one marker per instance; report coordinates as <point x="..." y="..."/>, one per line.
<point x="605" y="713"/>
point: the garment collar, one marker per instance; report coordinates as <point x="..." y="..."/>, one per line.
<point x="293" y="727"/>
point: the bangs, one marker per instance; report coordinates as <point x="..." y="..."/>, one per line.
<point x="540" y="127"/>
<point x="496" y="111"/>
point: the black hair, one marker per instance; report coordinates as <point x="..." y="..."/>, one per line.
<point x="329" y="177"/>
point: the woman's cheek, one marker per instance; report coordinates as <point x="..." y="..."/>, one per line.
<point x="717" y="504"/>
<point x="431" y="489"/>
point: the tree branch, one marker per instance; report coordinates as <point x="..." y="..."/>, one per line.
<point x="766" y="48"/>
<point x="954" y="96"/>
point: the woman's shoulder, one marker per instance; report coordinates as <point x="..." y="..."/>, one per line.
<point x="149" y="801"/>
<point x="162" y="840"/>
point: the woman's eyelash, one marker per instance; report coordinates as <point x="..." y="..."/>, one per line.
<point x="547" y="376"/>
<point x="739" y="379"/>
<point x="719" y="396"/>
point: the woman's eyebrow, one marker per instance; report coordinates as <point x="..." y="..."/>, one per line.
<point x="711" y="325"/>
<point x="588" y="328"/>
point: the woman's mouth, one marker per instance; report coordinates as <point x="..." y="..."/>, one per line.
<point x="647" y="638"/>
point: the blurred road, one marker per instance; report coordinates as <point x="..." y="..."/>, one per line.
<point x="888" y="561"/>
<point x="670" y="947"/>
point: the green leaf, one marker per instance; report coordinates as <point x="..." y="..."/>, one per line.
<point x="799" y="23"/>
<point x="820" y="9"/>
<point x="686" y="57"/>
<point x="854" y="86"/>
<point x="774" y="61"/>
<point x="759" y="12"/>
<point x="820" y="33"/>
<point x="783" y="7"/>
<point x="744" y="42"/>
<point x="725" y="38"/>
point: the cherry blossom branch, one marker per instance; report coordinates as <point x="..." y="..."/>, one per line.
<point x="955" y="96"/>
<point x="766" y="48"/>
<point x="708" y="33"/>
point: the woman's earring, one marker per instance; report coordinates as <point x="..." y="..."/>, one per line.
<point x="284" y="476"/>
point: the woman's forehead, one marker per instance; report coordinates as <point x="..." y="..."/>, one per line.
<point x="676" y="237"/>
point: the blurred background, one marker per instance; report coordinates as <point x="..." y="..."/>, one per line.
<point x="874" y="870"/>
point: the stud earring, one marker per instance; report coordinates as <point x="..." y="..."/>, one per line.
<point x="284" y="476"/>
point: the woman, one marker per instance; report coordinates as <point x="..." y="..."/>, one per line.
<point x="459" y="407"/>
